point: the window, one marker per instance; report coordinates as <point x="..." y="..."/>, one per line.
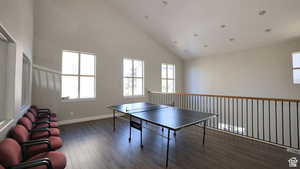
<point x="133" y="77"/>
<point x="26" y="72"/>
<point x="296" y="67"/>
<point x="78" y="75"/>
<point x="7" y="76"/>
<point x="168" y="78"/>
<point x="3" y="75"/>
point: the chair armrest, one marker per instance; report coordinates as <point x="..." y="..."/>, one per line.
<point x="35" y="163"/>
<point x="37" y="142"/>
<point x="44" y="115"/>
<point x="44" y="110"/>
<point x="41" y="130"/>
<point x="42" y="122"/>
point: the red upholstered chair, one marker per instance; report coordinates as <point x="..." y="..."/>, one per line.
<point x="1" y="167"/>
<point x="37" y="133"/>
<point x="33" y="119"/>
<point x="32" y="147"/>
<point x="11" y="157"/>
<point x="43" y="116"/>
<point x="43" y="111"/>
<point x="37" y="124"/>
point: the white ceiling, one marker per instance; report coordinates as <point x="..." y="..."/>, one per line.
<point x="179" y="20"/>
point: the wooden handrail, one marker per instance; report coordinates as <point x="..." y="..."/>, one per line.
<point x="225" y="96"/>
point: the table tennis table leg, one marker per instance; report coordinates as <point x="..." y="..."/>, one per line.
<point x="204" y="127"/>
<point x="167" y="159"/>
<point x="141" y="123"/>
<point x="114" y="120"/>
<point x="129" y="139"/>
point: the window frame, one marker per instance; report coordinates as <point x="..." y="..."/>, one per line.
<point x="25" y="102"/>
<point x="133" y="77"/>
<point x="295" y="68"/>
<point x="167" y="77"/>
<point x="7" y="118"/>
<point x="78" y="99"/>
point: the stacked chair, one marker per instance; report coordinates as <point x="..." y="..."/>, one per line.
<point x="33" y="142"/>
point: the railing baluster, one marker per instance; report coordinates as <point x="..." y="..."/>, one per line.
<point x="210" y="111"/>
<point x="218" y="114"/>
<point x="225" y="114"/>
<point x="282" y="123"/>
<point x="242" y="116"/>
<point x="232" y="104"/>
<point x="269" y="104"/>
<point x="252" y="119"/>
<point x="290" y="125"/>
<point x="229" y="114"/>
<point x="276" y="124"/>
<point x="263" y="121"/>
<point x="247" y="107"/>
<point x="222" y="114"/>
<point x="206" y="104"/>
<point x="237" y="115"/>
<point x="197" y="105"/>
<point x="191" y="103"/>
<point x="257" y="117"/>
<point x="297" y="107"/>
<point x="214" y="120"/>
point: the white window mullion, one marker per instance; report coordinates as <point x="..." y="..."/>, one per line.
<point x="132" y="92"/>
<point x="167" y="76"/>
<point x="79" y="75"/>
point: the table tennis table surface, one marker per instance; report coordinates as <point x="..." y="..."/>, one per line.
<point x="170" y="117"/>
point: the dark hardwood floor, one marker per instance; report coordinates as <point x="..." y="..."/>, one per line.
<point x="94" y="145"/>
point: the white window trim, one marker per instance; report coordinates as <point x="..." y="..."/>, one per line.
<point x="132" y="77"/>
<point x="64" y="99"/>
<point x="26" y="105"/>
<point x="167" y="77"/>
<point x="8" y="118"/>
<point x="294" y="68"/>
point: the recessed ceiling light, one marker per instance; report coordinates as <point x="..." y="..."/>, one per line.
<point x="205" y="46"/>
<point x="165" y="3"/>
<point x="196" y="35"/>
<point x="262" y="12"/>
<point x="223" y="26"/>
<point x="268" y="30"/>
<point x="146" y="17"/>
<point x="231" y="39"/>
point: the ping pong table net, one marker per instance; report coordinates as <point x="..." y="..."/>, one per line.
<point x="144" y="109"/>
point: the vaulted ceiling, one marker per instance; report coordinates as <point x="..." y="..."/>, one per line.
<point x="195" y="28"/>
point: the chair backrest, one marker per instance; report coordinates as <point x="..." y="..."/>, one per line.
<point x="20" y="134"/>
<point x="33" y="111"/>
<point x="31" y="116"/>
<point x="34" y="107"/>
<point x="26" y="123"/>
<point x="10" y="152"/>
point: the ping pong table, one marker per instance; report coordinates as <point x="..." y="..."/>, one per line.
<point x="169" y="117"/>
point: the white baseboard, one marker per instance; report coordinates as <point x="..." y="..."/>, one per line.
<point x="85" y="119"/>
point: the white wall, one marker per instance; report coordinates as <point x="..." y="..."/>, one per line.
<point x="93" y="26"/>
<point x="265" y="72"/>
<point x="260" y="72"/>
<point x="17" y="18"/>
